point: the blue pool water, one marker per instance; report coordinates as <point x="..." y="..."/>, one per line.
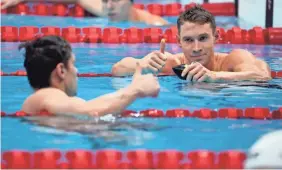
<point x="184" y="134"/>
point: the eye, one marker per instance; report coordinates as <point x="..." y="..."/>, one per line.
<point x="189" y="40"/>
<point x="105" y="1"/>
<point x="203" y="38"/>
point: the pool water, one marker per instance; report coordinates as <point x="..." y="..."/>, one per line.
<point x="184" y="134"/>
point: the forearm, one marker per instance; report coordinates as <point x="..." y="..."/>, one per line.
<point x="60" y="1"/>
<point x="113" y="103"/>
<point x="157" y="20"/>
<point x="93" y="6"/>
<point x="125" y="67"/>
<point x="240" y="76"/>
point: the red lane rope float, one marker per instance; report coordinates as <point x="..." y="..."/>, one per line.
<point x="75" y="10"/>
<point x="274" y="74"/>
<point x="204" y="113"/>
<point x="114" y="35"/>
<point x="116" y="159"/>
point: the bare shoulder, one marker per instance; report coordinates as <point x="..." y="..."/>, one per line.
<point x="35" y="102"/>
<point x="241" y="57"/>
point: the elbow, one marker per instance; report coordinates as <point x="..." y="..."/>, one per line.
<point x="261" y="76"/>
<point x="116" y="70"/>
<point x="265" y="75"/>
<point x="121" y="69"/>
<point x="102" y="111"/>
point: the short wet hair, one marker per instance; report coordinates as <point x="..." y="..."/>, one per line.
<point x="196" y="14"/>
<point x="42" y="56"/>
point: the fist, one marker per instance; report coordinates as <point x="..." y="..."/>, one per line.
<point x="153" y="62"/>
<point x="196" y="72"/>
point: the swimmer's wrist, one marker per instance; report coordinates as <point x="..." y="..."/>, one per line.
<point x="132" y="91"/>
<point x="214" y="76"/>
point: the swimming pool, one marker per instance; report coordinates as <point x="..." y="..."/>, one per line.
<point x="184" y="134"/>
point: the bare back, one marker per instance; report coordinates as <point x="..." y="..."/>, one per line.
<point x="51" y="100"/>
<point x="35" y="103"/>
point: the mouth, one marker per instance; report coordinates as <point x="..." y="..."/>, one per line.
<point x="197" y="56"/>
<point x="111" y="14"/>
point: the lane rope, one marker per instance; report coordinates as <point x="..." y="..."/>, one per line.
<point x="261" y="113"/>
<point x="134" y="35"/>
<point x="274" y="74"/>
<point x="116" y="159"/>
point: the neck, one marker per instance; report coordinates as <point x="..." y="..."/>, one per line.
<point x="210" y="64"/>
<point x="56" y="83"/>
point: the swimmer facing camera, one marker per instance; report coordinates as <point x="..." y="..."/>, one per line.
<point x="198" y="62"/>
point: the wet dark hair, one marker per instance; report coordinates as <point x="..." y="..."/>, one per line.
<point x="42" y="55"/>
<point x="196" y="14"/>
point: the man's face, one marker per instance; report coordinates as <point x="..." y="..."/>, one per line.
<point x="117" y="10"/>
<point x="70" y="80"/>
<point x="197" y="42"/>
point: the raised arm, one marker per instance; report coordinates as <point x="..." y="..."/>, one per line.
<point x="93" y="6"/>
<point x="113" y="103"/>
<point x="155" y="62"/>
<point x="151" y="19"/>
<point x="108" y="104"/>
<point x="125" y="66"/>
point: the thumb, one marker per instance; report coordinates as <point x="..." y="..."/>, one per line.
<point x="138" y="70"/>
<point x="162" y="46"/>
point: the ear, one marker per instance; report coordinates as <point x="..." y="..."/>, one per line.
<point x="216" y="35"/>
<point x="61" y="70"/>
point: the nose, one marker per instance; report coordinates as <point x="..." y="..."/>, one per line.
<point x="197" y="48"/>
<point x="109" y="4"/>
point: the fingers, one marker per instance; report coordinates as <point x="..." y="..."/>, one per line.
<point x="155" y="65"/>
<point x="187" y="69"/>
<point x="192" y="72"/>
<point x="159" y="60"/>
<point x="161" y="56"/>
<point x="153" y="69"/>
<point x="203" y="78"/>
<point x="198" y="75"/>
<point x="162" y="46"/>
